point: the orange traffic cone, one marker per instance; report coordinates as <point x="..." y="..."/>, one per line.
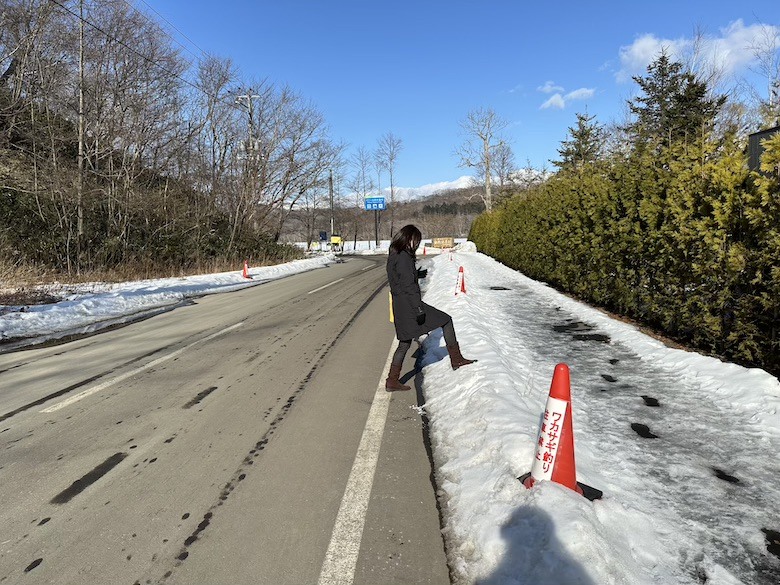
<point x="460" y="286"/>
<point x="246" y="269"/>
<point x="554" y="460"/>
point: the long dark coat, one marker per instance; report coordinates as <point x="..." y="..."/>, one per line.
<point x="405" y="291"/>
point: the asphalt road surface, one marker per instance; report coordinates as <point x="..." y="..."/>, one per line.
<point x="243" y="439"/>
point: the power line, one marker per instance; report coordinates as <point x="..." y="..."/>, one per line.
<point x="139" y="54"/>
<point x="144" y="15"/>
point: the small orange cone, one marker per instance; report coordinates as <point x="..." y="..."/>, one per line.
<point x="246" y="269"/>
<point x="460" y="286"/>
<point x="554" y="460"/>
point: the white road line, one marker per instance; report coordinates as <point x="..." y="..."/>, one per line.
<point x="311" y="292"/>
<point x="338" y="568"/>
<point x="368" y="268"/>
<point x="100" y="387"/>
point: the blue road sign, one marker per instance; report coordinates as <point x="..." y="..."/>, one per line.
<point x="375" y="203"/>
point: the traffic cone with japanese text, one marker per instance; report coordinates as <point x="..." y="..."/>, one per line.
<point x="246" y="269"/>
<point x="554" y="459"/>
<point x="460" y="286"/>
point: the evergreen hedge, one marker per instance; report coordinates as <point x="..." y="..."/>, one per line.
<point x="682" y="238"/>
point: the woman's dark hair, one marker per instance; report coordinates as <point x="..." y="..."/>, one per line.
<point x="408" y="238"/>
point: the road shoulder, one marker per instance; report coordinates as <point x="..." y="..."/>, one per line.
<point x="402" y="541"/>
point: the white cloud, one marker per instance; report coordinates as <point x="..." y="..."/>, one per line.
<point x="549" y="87"/>
<point x="582" y="93"/>
<point x="734" y="50"/>
<point x="635" y="58"/>
<point x="730" y="52"/>
<point x="559" y="101"/>
<point x="555" y="101"/>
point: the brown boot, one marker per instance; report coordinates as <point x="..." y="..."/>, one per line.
<point x="456" y="358"/>
<point x="393" y="383"/>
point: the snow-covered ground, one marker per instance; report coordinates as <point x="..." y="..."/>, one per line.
<point x="365" y="247"/>
<point x="88" y="307"/>
<point x="665" y="517"/>
<point x="696" y="504"/>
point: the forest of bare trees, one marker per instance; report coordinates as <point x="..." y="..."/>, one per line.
<point x="118" y="147"/>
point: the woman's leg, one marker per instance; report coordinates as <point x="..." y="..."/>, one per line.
<point x="456" y="358"/>
<point x="393" y="381"/>
<point x="400" y="352"/>
<point x="449" y="333"/>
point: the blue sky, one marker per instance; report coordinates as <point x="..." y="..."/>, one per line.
<point x="416" y="68"/>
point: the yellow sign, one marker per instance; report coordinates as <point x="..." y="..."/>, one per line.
<point x="443" y="242"/>
<point x="336" y="240"/>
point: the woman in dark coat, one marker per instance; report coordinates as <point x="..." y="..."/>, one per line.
<point x="412" y="317"/>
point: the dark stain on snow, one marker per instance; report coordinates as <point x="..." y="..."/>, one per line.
<point x="720" y="474"/>
<point x="499" y="288"/>
<point x="650" y="401"/>
<point x="572" y="327"/>
<point x="609" y="378"/>
<point x="600" y="337"/>
<point x="772" y="541"/>
<point x="581" y="331"/>
<point x="643" y="431"/>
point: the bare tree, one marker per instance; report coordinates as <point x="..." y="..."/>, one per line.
<point x="504" y="164"/>
<point x="165" y="153"/>
<point x="482" y="130"/>
<point x="767" y="53"/>
<point x="360" y="184"/>
<point x="698" y="61"/>
<point x="388" y="149"/>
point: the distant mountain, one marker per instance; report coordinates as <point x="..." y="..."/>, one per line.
<point x="410" y="193"/>
<point x="522" y="178"/>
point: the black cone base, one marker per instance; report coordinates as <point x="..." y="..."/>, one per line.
<point x="589" y="492"/>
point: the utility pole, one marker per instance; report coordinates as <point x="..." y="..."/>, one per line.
<point x="379" y="194"/>
<point x="330" y="190"/>
<point x="80" y="180"/>
<point x="250" y="167"/>
<point x="249" y="96"/>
